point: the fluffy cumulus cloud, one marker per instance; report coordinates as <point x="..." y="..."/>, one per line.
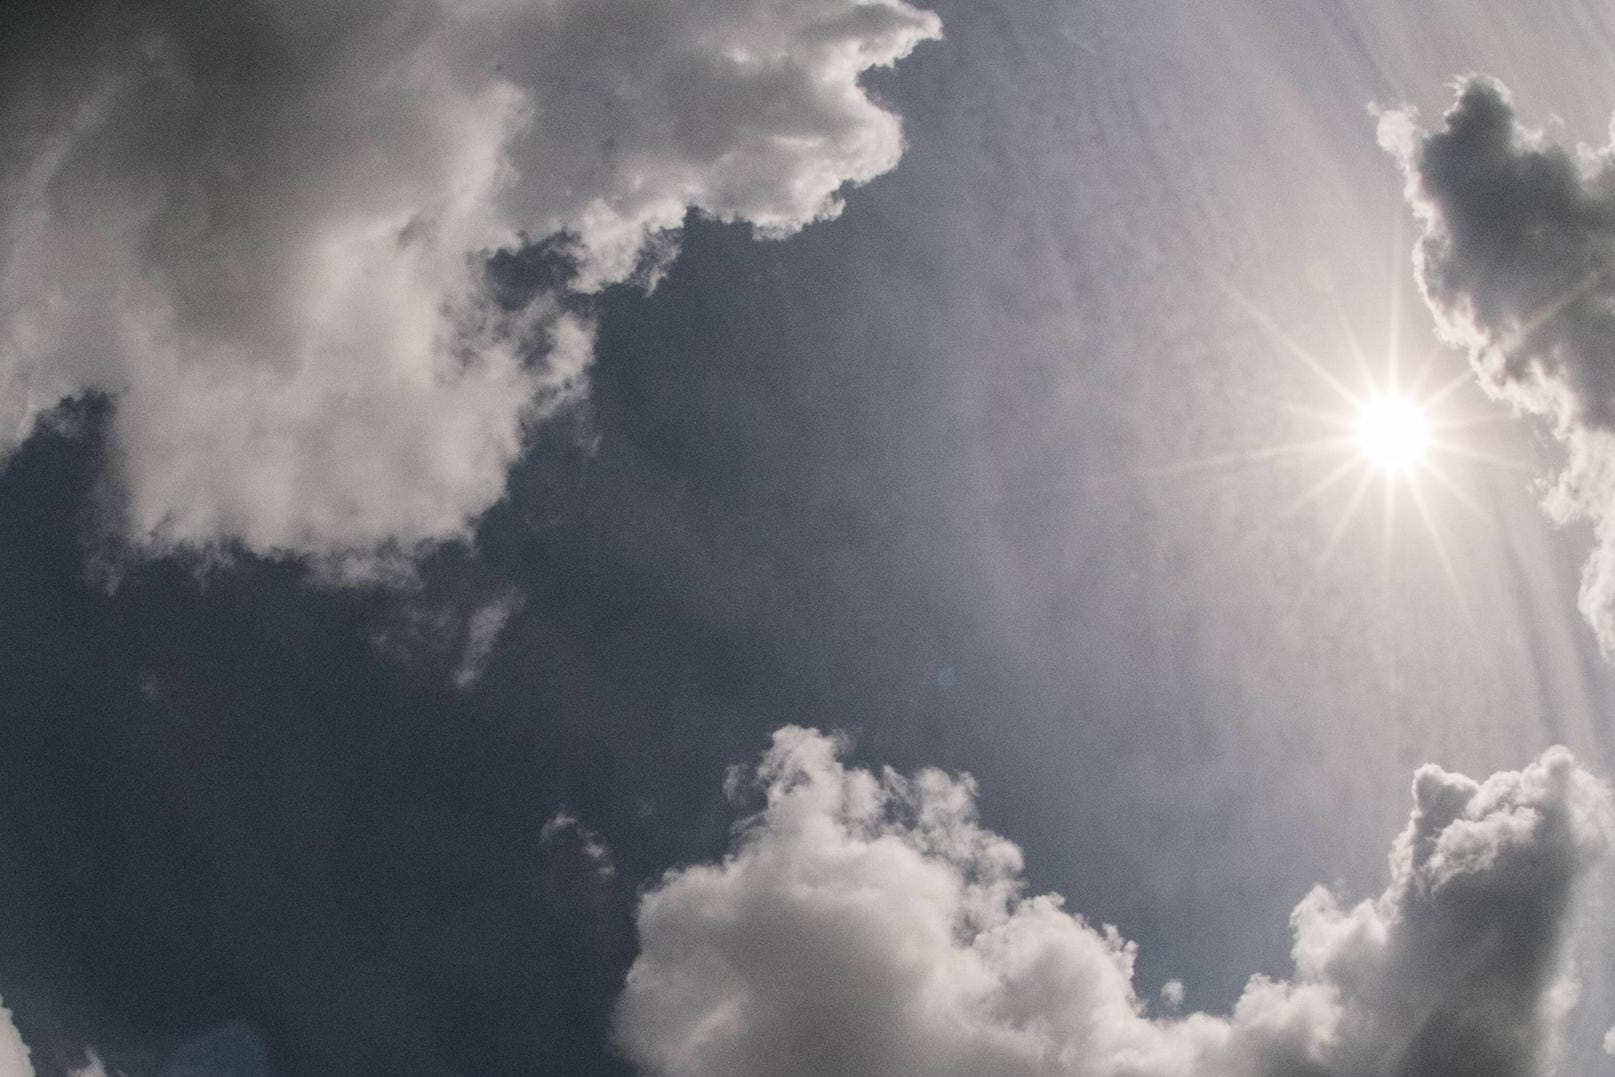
<point x="14" y="1054"/>
<point x="866" y="924"/>
<point x="262" y="229"/>
<point x="1517" y="262"/>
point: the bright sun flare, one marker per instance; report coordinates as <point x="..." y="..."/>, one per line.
<point x="1389" y="434"/>
<point x="1393" y="432"/>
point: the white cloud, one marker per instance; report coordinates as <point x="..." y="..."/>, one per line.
<point x="481" y="633"/>
<point x="261" y="228"/>
<point x="14" y="1061"/>
<point x="867" y="924"/>
<point x="1517" y="262"/>
<point x="93" y="1066"/>
<point x="585" y="842"/>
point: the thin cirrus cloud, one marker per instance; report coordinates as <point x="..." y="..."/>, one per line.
<point x="263" y="229"/>
<point x="867" y="924"/>
<point x="1517" y="263"/>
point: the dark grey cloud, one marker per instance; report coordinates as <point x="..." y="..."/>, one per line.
<point x="866" y="923"/>
<point x="261" y="229"/>
<point x="1517" y="263"/>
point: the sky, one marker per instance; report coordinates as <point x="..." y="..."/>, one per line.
<point x="807" y="537"/>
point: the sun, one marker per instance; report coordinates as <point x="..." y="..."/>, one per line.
<point x="1389" y="431"/>
<point x="1393" y="433"/>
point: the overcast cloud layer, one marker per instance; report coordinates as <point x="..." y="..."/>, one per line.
<point x="280" y="279"/>
<point x="868" y="925"/>
<point x="1517" y="262"/>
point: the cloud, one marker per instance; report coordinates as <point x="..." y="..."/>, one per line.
<point x="264" y="230"/>
<point x="14" y="1061"/>
<point x="93" y="1066"/>
<point x="481" y="633"/>
<point x="866" y="924"/>
<point x="1517" y="263"/>
<point x="564" y="828"/>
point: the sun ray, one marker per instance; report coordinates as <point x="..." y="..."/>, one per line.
<point x="1347" y="514"/>
<point x="1393" y="344"/>
<point x="1387" y="532"/>
<point x="1440" y="546"/>
<point x="1247" y="456"/>
<point x="1336" y="534"/>
<point x="1480" y="457"/>
<point x="1418" y="381"/>
<point x="1352" y="344"/>
<point x="1308" y="411"/>
<point x="1458" y="381"/>
<point x="1551" y="309"/>
<point x="1462" y="496"/>
<point x="1394" y="429"/>
<point x="1254" y="537"/>
<point x="1290" y="345"/>
<point x="1468" y="422"/>
<point x="1316" y="490"/>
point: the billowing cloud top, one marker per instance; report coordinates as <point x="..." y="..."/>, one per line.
<point x="262" y="227"/>
<point x="867" y="925"/>
<point x="1517" y="262"/>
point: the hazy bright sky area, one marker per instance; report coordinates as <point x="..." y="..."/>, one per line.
<point x="807" y="538"/>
